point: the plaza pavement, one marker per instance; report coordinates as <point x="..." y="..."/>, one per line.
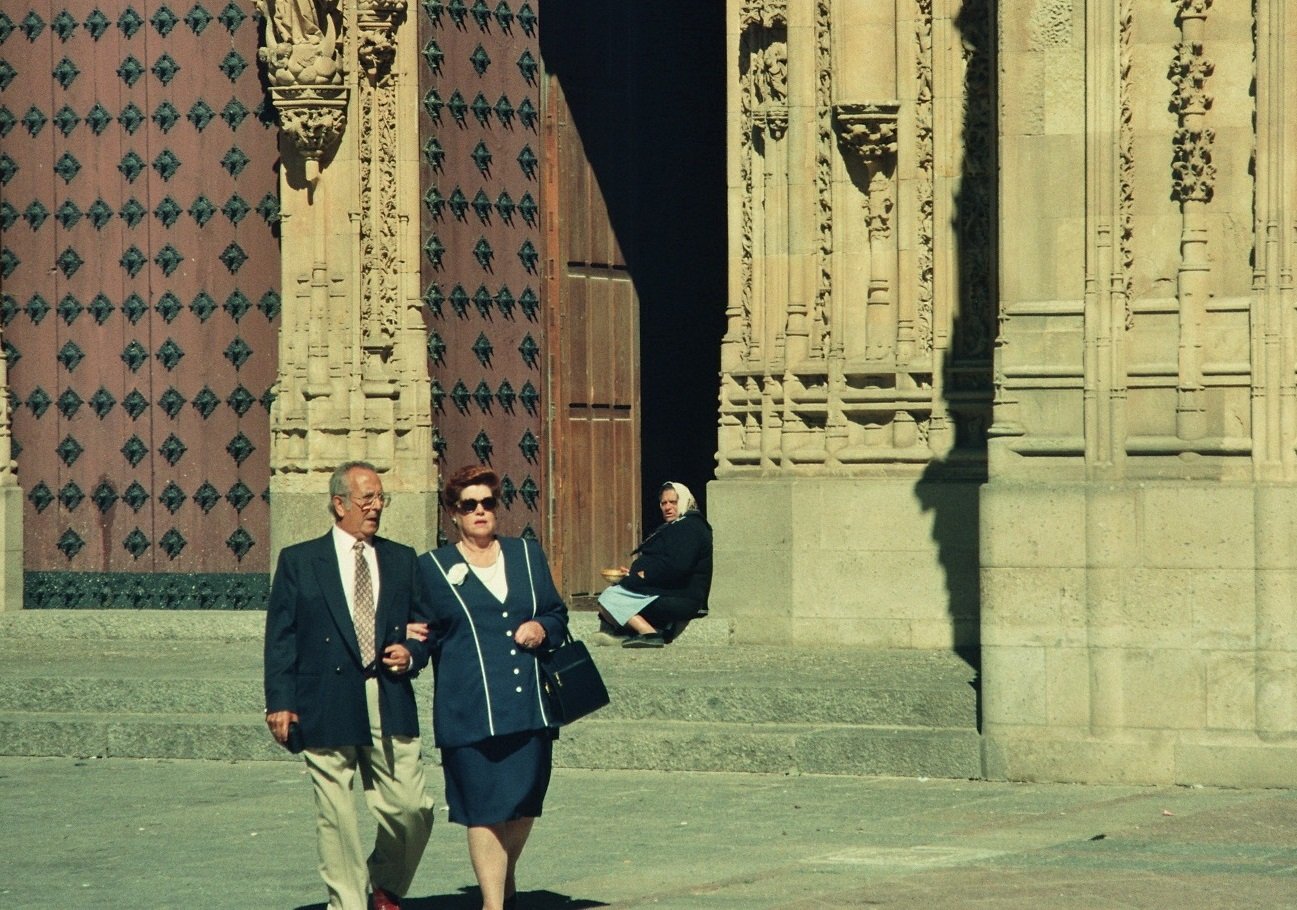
<point x="146" y="834"/>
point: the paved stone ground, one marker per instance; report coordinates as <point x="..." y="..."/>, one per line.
<point x="144" y="834"/>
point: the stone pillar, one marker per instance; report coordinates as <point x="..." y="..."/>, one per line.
<point x="353" y="378"/>
<point x="1137" y="530"/>
<point x="11" y="507"/>
<point x="856" y="377"/>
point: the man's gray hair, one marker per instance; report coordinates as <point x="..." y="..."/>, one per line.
<point x="338" y="484"/>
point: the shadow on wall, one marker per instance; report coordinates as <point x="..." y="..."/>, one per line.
<point x="645" y="87"/>
<point x="950" y="486"/>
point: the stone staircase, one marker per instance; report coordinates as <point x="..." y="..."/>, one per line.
<point x="187" y="684"/>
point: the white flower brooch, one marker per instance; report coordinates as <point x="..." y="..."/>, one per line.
<point x="458" y="572"/>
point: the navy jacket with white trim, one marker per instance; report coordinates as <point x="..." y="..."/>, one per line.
<point x="486" y="685"/>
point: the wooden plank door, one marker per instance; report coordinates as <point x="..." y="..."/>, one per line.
<point x="593" y="367"/>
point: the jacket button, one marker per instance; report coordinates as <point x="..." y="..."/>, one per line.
<point x="337" y="669"/>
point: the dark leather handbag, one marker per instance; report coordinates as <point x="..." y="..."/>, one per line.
<point x="571" y="680"/>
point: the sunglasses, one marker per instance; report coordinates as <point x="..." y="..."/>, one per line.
<point x="469" y="506"/>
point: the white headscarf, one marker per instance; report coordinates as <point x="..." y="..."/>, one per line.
<point x="686" y="499"/>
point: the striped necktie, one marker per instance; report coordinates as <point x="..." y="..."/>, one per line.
<point x="364" y="604"/>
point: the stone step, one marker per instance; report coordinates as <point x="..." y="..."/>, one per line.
<point x="740" y="685"/>
<point x="188" y="685"/>
<point x="591" y="743"/>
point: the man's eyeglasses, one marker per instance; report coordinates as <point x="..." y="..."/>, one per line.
<point x="469" y="506"/>
<point x="373" y="499"/>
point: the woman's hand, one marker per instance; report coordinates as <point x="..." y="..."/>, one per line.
<point x="530" y="634"/>
<point x="416" y="630"/>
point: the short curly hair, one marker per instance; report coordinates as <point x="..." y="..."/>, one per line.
<point x="469" y="476"/>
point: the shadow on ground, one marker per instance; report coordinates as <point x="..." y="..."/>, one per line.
<point x="471" y="899"/>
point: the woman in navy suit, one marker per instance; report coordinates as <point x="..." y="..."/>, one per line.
<point x="492" y="604"/>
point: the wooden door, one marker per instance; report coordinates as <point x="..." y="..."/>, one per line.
<point x="593" y="367"/>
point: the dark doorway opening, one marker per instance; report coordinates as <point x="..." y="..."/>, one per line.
<point x="645" y="86"/>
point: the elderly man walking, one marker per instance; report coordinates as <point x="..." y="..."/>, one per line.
<point x="338" y="668"/>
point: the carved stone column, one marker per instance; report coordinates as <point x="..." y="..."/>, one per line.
<point x="353" y="380"/>
<point x="868" y="131"/>
<point x="1193" y="180"/>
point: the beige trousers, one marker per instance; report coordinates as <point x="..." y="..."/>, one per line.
<point x="391" y="773"/>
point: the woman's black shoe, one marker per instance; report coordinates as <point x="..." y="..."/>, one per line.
<point x="647" y="640"/>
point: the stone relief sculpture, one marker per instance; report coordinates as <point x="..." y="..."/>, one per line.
<point x="306" y="72"/>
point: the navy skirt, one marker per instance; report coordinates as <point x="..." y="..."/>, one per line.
<point x="498" y="779"/>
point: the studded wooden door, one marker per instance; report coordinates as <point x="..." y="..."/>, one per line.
<point x="482" y="246"/>
<point x="139" y="214"/>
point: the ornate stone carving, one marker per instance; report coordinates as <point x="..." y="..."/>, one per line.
<point x="763" y="93"/>
<point x="1193" y="173"/>
<point x="305" y="69"/>
<point x="766" y="14"/>
<point x="869" y="130"/>
<point x="1193" y="9"/>
<point x="380" y="260"/>
<point x="822" y="323"/>
<point x="377" y="22"/>
<point x="924" y="153"/>
<point x="1126" y="156"/>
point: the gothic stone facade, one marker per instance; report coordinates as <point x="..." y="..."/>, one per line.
<point x="1012" y="367"/>
<point x="1009" y="364"/>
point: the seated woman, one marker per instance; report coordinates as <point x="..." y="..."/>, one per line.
<point x="667" y="584"/>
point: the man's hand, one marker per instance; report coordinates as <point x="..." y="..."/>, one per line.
<point x="278" y="722"/>
<point x="397" y="658"/>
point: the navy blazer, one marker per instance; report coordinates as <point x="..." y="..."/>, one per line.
<point x="486" y="685"/>
<point x="312" y="657"/>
